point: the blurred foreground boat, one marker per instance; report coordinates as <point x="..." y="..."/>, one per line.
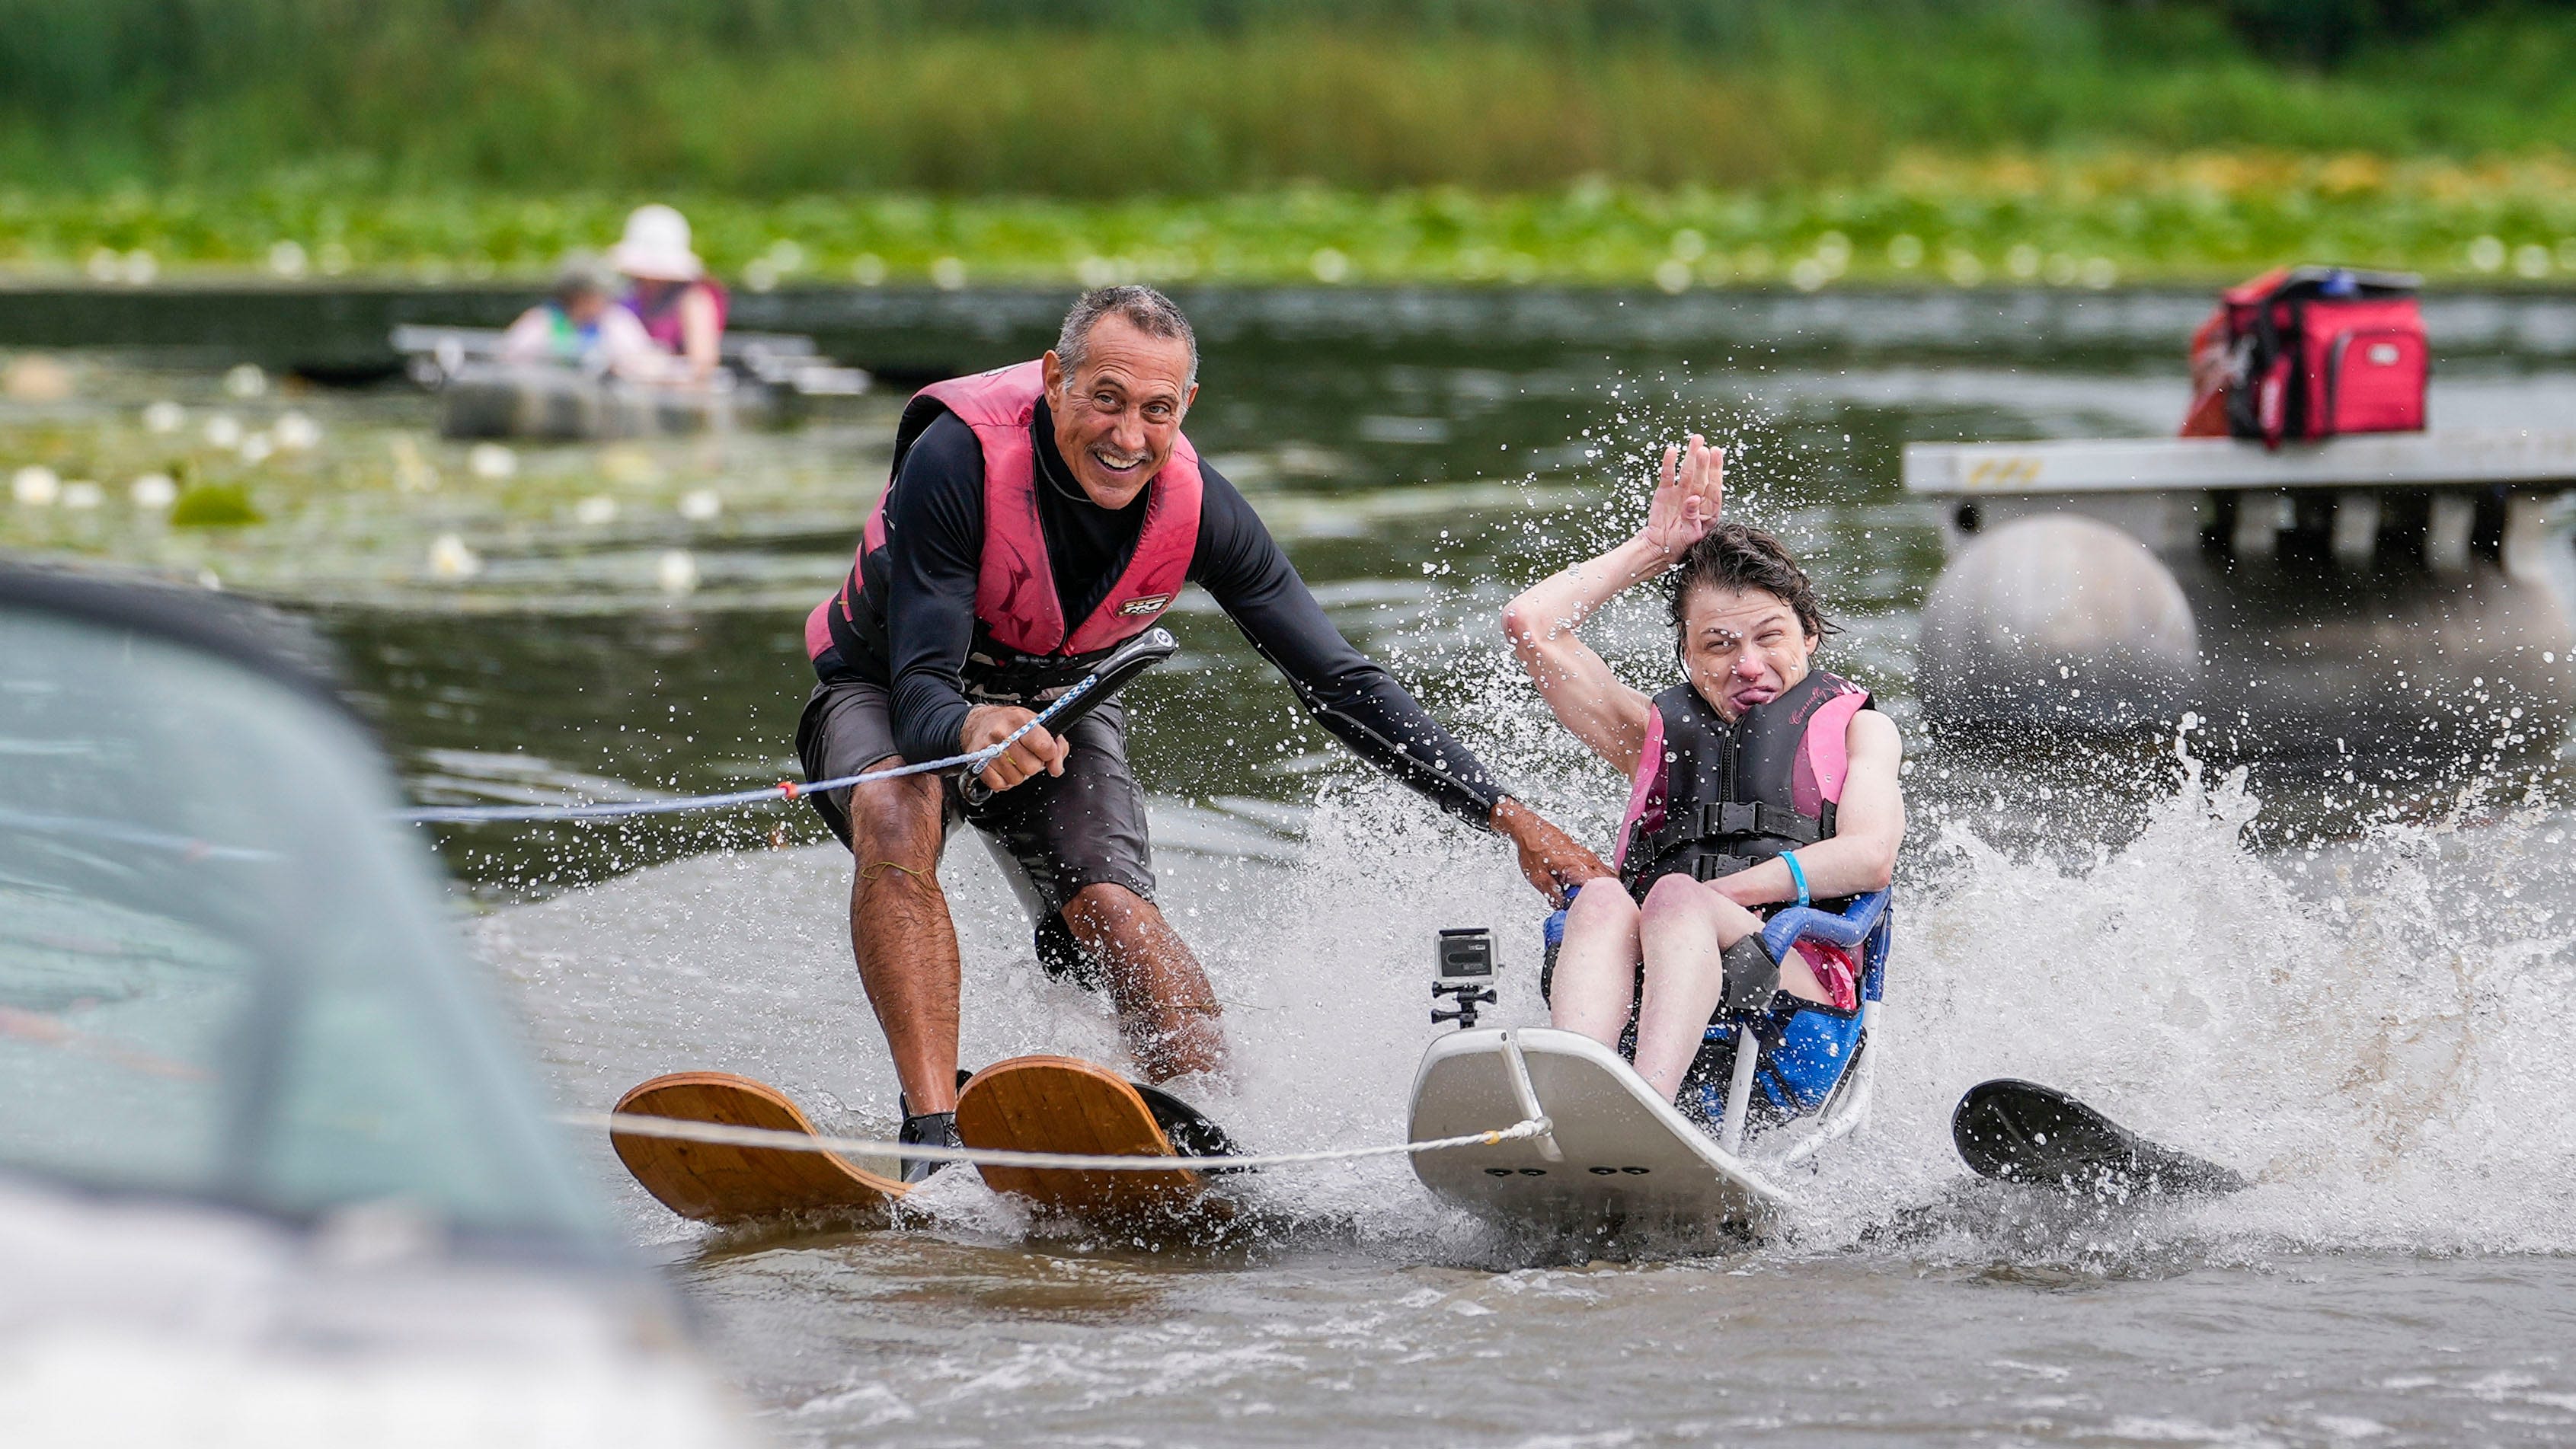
<point x="272" y="1169"/>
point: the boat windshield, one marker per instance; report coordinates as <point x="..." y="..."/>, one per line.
<point x="223" y="975"/>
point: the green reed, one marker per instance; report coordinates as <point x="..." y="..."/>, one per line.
<point x="1116" y="98"/>
<point x="2094" y="221"/>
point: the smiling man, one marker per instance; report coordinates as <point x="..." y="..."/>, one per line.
<point x="1041" y="515"/>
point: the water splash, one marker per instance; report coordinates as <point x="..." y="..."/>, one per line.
<point x="2369" y="1028"/>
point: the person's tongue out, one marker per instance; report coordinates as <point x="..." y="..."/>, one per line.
<point x="1743" y="647"/>
<point x="1750" y="683"/>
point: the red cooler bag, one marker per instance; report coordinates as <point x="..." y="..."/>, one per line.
<point x="2310" y="352"/>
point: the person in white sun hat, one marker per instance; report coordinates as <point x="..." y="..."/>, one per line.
<point x="682" y="309"/>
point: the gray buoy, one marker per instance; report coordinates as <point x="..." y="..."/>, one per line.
<point x="2058" y="620"/>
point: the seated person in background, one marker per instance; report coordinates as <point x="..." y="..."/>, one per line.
<point x="681" y="309"/>
<point x="582" y="326"/>
<point x="1808" y="768"/>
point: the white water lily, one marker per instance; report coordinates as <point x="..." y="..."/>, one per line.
<point x="223" y="430"/>
<point x="699" y="505"/>
<point x="154" y="491"/>
<point x="165" y="416"/>
<point x="491" y="460"/>
<point x="595" y="510"/>
<point x="83" y="494"/>
<point x="676" y="571"/>
<point x="295" y="432"/>
<point x="451" y="560"/>
<point x="36" y="486"/>
<point x="246" y="381"/>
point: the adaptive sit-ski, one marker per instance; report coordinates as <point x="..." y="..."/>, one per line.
<point x="1617" y="1157"/>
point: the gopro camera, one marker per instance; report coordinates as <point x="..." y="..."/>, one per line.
<point x="1465" y="956"/>
<point x="1466" y="951"/>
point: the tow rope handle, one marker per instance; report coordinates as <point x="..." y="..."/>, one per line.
<point x="1114" y="674"/>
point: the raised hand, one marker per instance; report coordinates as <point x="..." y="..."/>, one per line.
<point x="1687" y="498"/>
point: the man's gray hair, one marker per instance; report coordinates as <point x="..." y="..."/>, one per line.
<point x="1145" y="309"/>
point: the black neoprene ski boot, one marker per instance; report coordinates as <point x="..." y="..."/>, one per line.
<point x="930" y="1129"/>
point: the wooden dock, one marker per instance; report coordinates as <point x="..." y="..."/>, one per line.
<point x="2115" y="581"/>
<point x="2439" y="498"/>
<point x="2514" y="458"/>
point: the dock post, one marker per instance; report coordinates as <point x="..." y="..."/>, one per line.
<point x="2530" y="530"/>
<point x="2446" y="536"/>
<point x="2356" y="527"/>
<point x="2260" y="517"/>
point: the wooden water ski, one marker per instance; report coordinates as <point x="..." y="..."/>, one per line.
<point x="1064" y="1104"/>
<point x="2022" y="1132"/>
<point x="713" y="1183"/>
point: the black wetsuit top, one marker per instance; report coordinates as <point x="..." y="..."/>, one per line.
<point x="934" y="521"/>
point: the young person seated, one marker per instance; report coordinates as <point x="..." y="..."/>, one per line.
<point x="582" y="326"/>
<point x="1757" y="780"/>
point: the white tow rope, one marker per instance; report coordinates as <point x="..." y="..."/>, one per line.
<point x="640" y="1125"/>
<point x="972" y="762"/>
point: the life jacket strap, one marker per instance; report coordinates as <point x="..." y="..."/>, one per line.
<point x="1729" y="821"/>
<point x="995" y="675"/>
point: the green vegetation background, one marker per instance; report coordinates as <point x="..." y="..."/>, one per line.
<point x="1684" y="141"/>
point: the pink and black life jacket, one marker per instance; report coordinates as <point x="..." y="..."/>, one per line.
<point x="661" y="315"/>
<point x="1711" y="798"/>
<point x="1024" y="648"/>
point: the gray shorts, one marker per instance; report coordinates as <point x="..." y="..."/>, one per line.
<point x="1053" y="835"/>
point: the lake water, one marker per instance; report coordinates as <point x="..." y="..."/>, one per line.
<point x="2349" y="987"/>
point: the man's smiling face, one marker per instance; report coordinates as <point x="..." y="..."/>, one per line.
<point x="1117" y="416"/>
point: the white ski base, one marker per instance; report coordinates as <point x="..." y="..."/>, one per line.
<point x="1618" y="1160"/>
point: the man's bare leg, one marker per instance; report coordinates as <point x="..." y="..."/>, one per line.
<point x="902" y="935"/>
<point x="1166" y="1008"/>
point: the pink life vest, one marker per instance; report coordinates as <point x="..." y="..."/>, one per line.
<point x="1710" y="798"/>
<point x="662" y="323"/>
<point x="1019" y="615"/>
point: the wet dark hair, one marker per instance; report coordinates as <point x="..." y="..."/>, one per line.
<point x="1738" y="556"/>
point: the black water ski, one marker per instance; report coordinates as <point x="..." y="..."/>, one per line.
<point x="2023" y="1132"/>
<point x="1189" y="1130"/>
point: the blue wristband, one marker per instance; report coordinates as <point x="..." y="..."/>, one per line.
<point x="1796" y="873"/>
